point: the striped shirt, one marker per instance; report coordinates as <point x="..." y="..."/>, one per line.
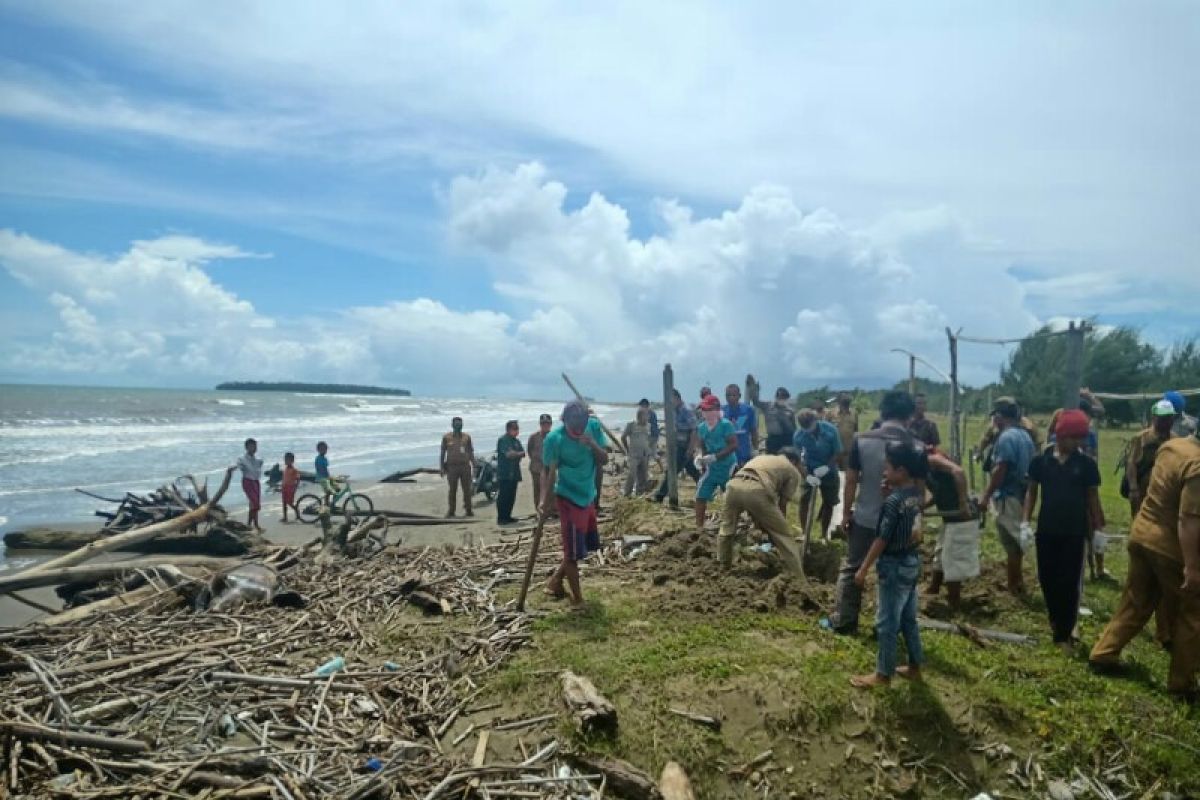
<point x="898" y="519"/>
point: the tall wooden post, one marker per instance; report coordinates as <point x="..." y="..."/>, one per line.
<point x="912" y="374"/>
<point x="955" y="433"/>
<point x="669" y="424"/>
<point x="1073" y="373"/>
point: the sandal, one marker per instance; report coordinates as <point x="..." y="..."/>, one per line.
<point x="869" y="681"/>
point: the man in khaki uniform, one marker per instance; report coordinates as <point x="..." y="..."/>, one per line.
<point x="1164" y="562"/>
<point x="534" y="449"/>
<point x="846" y="420"/>
<point x="458" y="466"/>
<point x="763" y="488"/>
<point x="1143" y="449"/>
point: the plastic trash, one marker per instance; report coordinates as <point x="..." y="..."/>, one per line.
<point x="1026" y="539"/>
<point x="1084" y="611"/>
<point x="825" y="624"/>
<point x="331" y="666"/>
<point x="765" y="547"/>
<point x="639" y="550"/>
<point x="1099" y="541"/>
<point x="373" y="765"/>
<point x="391" y="666"/>
<point x="227" y="725"/>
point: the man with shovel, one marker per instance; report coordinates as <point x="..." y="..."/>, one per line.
<point x="821" y="445"/>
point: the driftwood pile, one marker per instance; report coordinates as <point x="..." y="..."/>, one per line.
<point x="352" y="696"/>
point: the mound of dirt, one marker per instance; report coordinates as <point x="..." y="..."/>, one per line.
<point x="684" y="575"/>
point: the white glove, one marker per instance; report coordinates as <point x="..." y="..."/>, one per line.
<point x="1099" y="541"/>
<point x="708" y="459"/>
<point x="813" y="481"/>
<point x="820" y="472"/>
<point x="1026" y="537"/>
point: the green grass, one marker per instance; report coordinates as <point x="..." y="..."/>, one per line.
<point x="779" y="682"/>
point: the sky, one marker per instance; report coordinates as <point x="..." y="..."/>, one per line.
<point x="470" y="198"/>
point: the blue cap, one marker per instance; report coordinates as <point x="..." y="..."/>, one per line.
<point x="1176" y="400"/>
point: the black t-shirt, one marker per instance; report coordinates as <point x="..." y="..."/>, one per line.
<point x="1064" y="486"/>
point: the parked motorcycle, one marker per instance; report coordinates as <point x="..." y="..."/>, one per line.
<point x="485" y="476"/>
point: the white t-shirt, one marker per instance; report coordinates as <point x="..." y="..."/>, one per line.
<point x="250" y="466"/>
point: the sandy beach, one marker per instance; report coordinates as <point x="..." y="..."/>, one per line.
<point x="425" y="495"/>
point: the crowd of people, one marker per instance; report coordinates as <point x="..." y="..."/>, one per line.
<point x="895" y="478"/>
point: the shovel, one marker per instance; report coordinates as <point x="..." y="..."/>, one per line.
<point x="814" y="483"/>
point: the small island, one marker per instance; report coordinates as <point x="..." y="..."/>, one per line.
<point x="310" y="388"/>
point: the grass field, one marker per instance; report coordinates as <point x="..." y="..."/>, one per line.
<point x="1005" y="719"/>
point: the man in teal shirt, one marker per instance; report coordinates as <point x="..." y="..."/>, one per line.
<point x="571" y="456"/>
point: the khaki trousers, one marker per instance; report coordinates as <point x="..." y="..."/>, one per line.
<point x="459" y="475"/>
<point x="535" y="477"/>
<point x="1152" y="578"/>
<point x="744" y="493"/>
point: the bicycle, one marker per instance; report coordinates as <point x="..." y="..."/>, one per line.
<point x="308" y="506"/>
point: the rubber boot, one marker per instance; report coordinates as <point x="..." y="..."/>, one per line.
<point x="954" y="594"/>
<point x="935" y="583"/>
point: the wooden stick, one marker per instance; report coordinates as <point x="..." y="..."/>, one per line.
<point x="91" y="573"/>
<point x="283" y="683"/>
<point x="32" y="604"/>
<point x="28" y="730"/>
<point x="534" y="544"/>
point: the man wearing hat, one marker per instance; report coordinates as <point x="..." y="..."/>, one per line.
<point x="1164" y="563"/>
<point x="780" y="421"/>
<point x="1143" y="449"/>
<point x="846" y="420"/>
<point x="572" y="454"/>
<point x="534" y="449"/>
<point x="1010" y="467"/>
<point x="1185" y="423"/>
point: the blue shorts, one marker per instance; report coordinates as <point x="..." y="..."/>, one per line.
<point x="715" y="477"/>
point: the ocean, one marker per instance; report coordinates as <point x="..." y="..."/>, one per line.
<point x="54" y="439"/>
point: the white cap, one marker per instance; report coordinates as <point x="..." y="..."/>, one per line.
<point x="1163" y="408"/>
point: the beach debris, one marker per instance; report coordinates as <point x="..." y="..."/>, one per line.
<point x="592" y="711"/>
<point x="620" y="777"/>
<point x="225" y="701"/>
<point x="979" y="636"/>
<point x="248" y="584"/>
<point x="711" y="723"/>
<point x="404" y="474"/>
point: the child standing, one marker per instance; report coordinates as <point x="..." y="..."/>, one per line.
<point x="896" y="549"/>
<point x="321" y="467"/>
<point x="251" y="468"/>
<point x="1069" y="482"/>
<point x="291" y="479"/>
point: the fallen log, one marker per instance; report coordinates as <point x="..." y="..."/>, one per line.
<point x="621" y="777"/>
<point x="674" y="783"/>
<point x="396" y="477"/>
<point x="92" y="573"/>
<point x="29" y="730"/>
<point x="215" y="541"/>
<point x="592" y="711"/>
<point x="973" y="633"/>
<point x="700" y="719"/>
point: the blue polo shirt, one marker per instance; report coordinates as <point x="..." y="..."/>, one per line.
<point x="819" y="446"/>
<point x="744" y="421"/>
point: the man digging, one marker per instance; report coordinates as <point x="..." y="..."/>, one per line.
<point x="762" y="488"/>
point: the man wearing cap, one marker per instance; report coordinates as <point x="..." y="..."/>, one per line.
<point x="534" y="449"/>
<point x="1010" y="468"/>
<point x="846" y="420"/>
<point x="1164" y="562"/>
<point x="1185" y="424"/>
<point x="572" y="454"/>
<point x="819" y="442"/>
<point x="457" y="463"/>
<point x="1143" y="449"/>
<point x="685" y="429"/>
<point x="717" y="439"/>
<point x="781" y="422"/>
<point x="864" y="500"/>
<point x="508" y="471"/>
<point x="762" y="488"/>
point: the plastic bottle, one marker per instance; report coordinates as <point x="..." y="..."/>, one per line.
<point x="331" y="666"/>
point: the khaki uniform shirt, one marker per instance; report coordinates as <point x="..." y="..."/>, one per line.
<point x="775" y="473"/>
<point x="1143" y="450"/>
<point x="639" y="439"/>
<point x="534" y="450"/>
<point x="459" y="449"/>
<point x="847" y="425"/>
<point x="1174" y="492"/>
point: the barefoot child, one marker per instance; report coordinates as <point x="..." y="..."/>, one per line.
<point x="251" y="468"/>
<point x="291" y="479"/>
<point x="896" y="549"/>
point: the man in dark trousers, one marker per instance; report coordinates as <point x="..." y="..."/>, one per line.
<point x="508" y="471"/>
<point x="864" y="499"/>
<point x="685" y="426"/>
<point x="458" y="465"/>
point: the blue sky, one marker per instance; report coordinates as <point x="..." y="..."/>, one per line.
<point x="465" y="198"/>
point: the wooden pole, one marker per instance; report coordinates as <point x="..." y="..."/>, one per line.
<point x="1073" y="373"/>
<point x="955" y="436"/>
<point x="534" y="544"/>
<point x="613" y="439"/>
<point x="669" y="423"/>
<point x="912" y="374"/>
